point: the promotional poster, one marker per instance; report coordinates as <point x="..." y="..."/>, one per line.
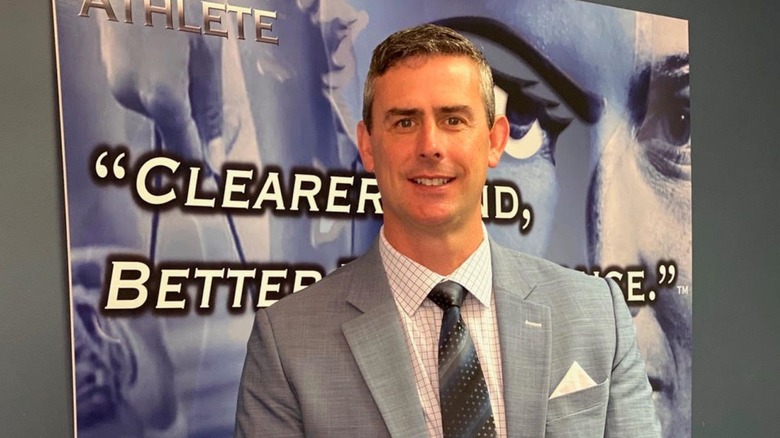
<point x="211" y="168"/>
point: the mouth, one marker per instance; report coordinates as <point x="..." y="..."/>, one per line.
<point x="431" y="182"/>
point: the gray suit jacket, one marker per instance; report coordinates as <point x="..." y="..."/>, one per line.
<point x="331" y="361"/>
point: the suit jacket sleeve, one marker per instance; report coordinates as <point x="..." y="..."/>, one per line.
<point x="267" y="405"/>
<point x="630" y="411"/>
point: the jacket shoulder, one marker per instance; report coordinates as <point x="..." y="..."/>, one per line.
<point x="538" y="271"/>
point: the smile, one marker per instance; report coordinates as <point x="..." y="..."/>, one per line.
<point x="431" y="181"/>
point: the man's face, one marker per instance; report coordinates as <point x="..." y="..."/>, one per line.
<point x="640" y="212"/>
<point x="430" y="145"/>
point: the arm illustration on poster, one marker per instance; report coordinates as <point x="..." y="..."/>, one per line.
<point x="596" y="176"/>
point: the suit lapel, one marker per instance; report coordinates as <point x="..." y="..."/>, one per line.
<point x="525" y="339"/>
<point x="377" y="343"/>
<point x="378" y="346"/>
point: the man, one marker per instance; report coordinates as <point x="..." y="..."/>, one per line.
<point x="356" y="354"/>
<point x="631" y="168"/>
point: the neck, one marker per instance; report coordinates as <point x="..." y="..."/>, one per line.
<point x="441" y="252"/>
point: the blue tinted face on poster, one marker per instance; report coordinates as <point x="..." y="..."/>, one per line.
<point x="596" y="176"/>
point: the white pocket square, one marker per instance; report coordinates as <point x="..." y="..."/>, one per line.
<point x="576" y="379"/>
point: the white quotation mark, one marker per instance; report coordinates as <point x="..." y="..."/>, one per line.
<point x="667" y="270"/>
<point x="667" y="274"/>
<point x="117" y="170"/>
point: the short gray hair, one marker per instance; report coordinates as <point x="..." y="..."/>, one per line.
<point x="426" y="40"/>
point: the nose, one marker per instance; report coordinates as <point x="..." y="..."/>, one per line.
<point x="429" y="143"/>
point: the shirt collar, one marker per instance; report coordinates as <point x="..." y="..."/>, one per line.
<point x="410" y="282"/>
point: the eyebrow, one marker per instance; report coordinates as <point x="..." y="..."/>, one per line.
<point x="673" y="73"/>
<point x="401" y="112"/>
<point x="456" y="109"/>
<point x="675" y="66"/>
<point x="409" y="112"/>
<point x="587" y="105"/>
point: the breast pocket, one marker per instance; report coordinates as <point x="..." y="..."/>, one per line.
<point x="579" y="414"/>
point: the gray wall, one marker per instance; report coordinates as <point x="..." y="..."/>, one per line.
<point x="735" y="94"/>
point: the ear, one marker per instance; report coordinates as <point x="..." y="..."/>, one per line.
<point x="364" y="146"/>
<point x="499" y="134"/>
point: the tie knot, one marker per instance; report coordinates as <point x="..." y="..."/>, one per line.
<point x="447" y="294"/>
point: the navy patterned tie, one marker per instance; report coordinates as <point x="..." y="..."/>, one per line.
<point x="464" y="398"/>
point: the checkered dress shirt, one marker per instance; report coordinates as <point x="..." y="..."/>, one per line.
<point x="410" y="283"/>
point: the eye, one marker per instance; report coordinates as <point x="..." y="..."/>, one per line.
<point x="453" y="121"/>
<point x="664" y="128"/>
<point x="404" y="123"/>
<point x="676" y="123"/>
<point x="668" y="121"/>
<point x="665" y="135"/>
<point x="532" y="131"/>
<point x="525" y="141"/>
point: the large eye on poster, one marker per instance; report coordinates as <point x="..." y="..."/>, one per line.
<point x="211" y="168"/>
